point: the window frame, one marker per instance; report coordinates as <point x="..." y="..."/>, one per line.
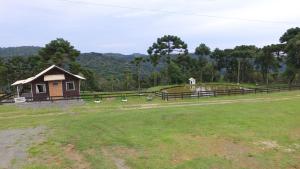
<point x="72" y="82"/>
<point x="37" y="89"/>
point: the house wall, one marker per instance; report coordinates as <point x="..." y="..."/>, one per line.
<point x="45" y="96"/>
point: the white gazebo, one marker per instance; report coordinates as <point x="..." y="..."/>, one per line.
<point x="192" y="81"/>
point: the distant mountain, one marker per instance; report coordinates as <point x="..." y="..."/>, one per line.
<point x="19" y="51"/>
<point x="108" y="64"/>
<point x="104" y="64"/>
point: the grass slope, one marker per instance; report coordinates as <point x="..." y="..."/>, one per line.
<point x="253" y="131"/>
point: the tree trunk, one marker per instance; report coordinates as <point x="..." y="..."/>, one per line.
<point x="267" y="78"/>
<point x="201" y="76"/>
<point x="139" y="77"/>
<point x="238" y="76"/>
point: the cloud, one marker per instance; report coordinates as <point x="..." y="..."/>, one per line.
<point x="130" y="26"/>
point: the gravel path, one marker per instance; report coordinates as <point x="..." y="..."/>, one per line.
<point x="14" y="144"/>
<point x="47" y="104"/>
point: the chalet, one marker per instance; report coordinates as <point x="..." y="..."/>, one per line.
<point x="52" y="83"/>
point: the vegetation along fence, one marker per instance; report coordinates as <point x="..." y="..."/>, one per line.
<point x="8" y="98"/>
<point x="225" y="92"/>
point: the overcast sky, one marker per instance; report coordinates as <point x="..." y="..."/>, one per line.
<point x="131" y="26"/>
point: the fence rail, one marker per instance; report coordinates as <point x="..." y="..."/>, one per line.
<point x="8" y="98"/>
<point x="226" y="92"/>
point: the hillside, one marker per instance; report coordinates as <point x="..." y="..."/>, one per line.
<point x="19" y="51"/>
<point x="108" y="64"/>
<point x="104" y="64"/>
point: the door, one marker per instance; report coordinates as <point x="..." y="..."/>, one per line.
<point x="55" y="89"/>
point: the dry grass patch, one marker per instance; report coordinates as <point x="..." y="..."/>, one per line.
<point x="78" y="159"/>
<point x="191" y="147"/>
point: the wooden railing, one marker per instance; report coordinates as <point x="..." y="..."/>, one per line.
<point x="226" y="92"/>
<point x="8" y="98"/>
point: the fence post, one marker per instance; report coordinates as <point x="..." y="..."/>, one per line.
<point x="215" y="93"/>
<point x="167" y="96"/>
<point x="198" y="94"/>
<point x="181" y="95"/>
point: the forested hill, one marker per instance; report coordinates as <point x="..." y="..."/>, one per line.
<point x="108" y="64"/>
<point x="104" y="64"/>
<point x="19" y="51"/>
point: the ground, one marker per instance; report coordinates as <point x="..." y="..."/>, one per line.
<point x="237" y="132"/>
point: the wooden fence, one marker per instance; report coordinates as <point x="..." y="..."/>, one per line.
<point x="8" y="98"/>
<point x="227" y="92"/>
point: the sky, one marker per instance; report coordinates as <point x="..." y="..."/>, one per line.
<point x="131" y="26"/>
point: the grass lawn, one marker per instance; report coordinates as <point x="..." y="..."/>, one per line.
<point x="234" y="132"/>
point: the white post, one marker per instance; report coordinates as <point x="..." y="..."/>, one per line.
<point x="18" y="91"/>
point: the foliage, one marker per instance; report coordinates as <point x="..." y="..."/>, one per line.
<point x="19" y="51"/>
<point x="137" y="61"/>
<point x="267" y="61"/>
<point x="59" y="52"/>
<point x="164" y="48"/>
<point x="168" y="62"/>
<point x="202" y="50"/>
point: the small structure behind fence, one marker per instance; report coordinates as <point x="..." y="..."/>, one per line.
<point x="8" y="98"/>
<point x="226" y="92"/>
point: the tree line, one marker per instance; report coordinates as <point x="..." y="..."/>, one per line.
<point x="274" y="63"/>
<point x="172" y="63"/>
<point x="59" y="52"/>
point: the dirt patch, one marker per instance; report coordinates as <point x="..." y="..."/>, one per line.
<point x="110" y="98"/>
<point x="240" y="154"/>
<point x="295" y="133"/>
<point x="14" y="144"/>
<point x="78" y="160"/>
<point x="115" y="154"/>
<point x="269" y="145"/>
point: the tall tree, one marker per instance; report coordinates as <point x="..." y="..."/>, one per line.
<point x="154" y="60"/>
<point x="91" y="82"/>
<point x="137" y="61"/>
<point x="289" y="34"/>
<point x="167" y="46"/>
<point x="244" y="56"/>
<point x="293" y="57"/>
<point x="3" y="72"/>
<point x="59" y="52"/>
<point x="127" y="77"/>
<point x="267" y="61"/>
<point x="202" y="51"/>
<point x="290" y="41"/>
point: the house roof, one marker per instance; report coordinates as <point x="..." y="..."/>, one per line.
<point x="28" y="80"/>
<point x="192" y="78"/>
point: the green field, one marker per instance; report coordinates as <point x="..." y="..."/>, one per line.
<point x="238" y="132"/>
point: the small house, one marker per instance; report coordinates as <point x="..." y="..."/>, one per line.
<point x="52" y="83"/>
<point x="192" y="81"/>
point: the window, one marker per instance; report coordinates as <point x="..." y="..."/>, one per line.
<point x="70" y="86"/>
<point x="55" y="83"/>
<point x="40" y="88"/>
